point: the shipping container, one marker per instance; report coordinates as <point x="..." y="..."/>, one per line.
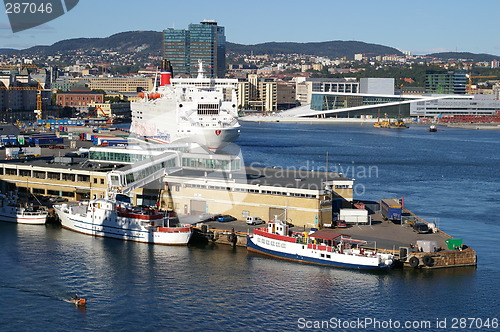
<point x="391" y="209"/>
<point x="352" y="216"/>
<point x="17" y="153"/>
<point x="47" y="141"/>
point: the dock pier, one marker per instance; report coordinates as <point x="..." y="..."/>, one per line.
<point x="399" y="239"/>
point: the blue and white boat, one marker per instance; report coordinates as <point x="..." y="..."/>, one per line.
<point x="323" y="247"/>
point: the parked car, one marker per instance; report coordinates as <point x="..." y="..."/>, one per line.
<point x="421" y="228"/>
<point x="255" y="221"/>
<point x="226" y="218"/>
<point x="208" y="217"/>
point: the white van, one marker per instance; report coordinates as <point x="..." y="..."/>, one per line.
<point x="255" y="221"/>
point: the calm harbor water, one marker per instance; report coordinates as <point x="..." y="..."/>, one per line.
<point x="450" y="177"/>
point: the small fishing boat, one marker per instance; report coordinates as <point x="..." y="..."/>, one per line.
<point x="11" y="210"/>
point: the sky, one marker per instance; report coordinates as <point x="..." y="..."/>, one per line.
<point x="418" y="26"/>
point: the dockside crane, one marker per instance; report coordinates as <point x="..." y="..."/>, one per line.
<point x="39" y="105"/>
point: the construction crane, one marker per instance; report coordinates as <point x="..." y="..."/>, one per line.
<point x="469" y="84"/>
<point x="39" y="89"/>
<point x="95" y="111"/>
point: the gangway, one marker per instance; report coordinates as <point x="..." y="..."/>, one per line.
<point x="137" y="175"/>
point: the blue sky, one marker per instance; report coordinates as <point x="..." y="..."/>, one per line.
<point x="419" y="26"/>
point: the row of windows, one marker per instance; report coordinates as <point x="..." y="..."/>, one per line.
<point x="201" y="163"/>
<point x="251" y="191"/>
<point x="45" y="175"/>
<point x="117" y="156"/>
<point x="143" y="173"/>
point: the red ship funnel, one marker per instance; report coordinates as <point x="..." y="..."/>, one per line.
<point x="165" y="78"/>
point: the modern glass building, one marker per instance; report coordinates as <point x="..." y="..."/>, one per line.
<point x="205" y="41"/>
<point x="445" y="82"/>
<point x="358" y="105"/>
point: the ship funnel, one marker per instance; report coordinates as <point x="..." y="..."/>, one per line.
<point x="165" y="78"/>
<point x="166" y="72"/>
<point x="167" y="66"/>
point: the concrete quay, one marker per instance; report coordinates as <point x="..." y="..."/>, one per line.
<point x="400" y="239"/>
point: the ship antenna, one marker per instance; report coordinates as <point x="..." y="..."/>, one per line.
<point x="200" y="69"/>
<point x="156" y="79"/>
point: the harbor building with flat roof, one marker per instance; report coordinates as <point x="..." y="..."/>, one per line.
<point x="190" y="183"/>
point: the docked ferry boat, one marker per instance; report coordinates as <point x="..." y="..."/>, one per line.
<point x="194" y="110"/>
<point x="323" y="247"/>
<point x="115" y="217"/>
<point x="12" y="211"/>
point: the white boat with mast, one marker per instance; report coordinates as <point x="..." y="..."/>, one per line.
<point x="195" y="110"/>
<point x="11" y="210"/>
<point x="116" y="217"/>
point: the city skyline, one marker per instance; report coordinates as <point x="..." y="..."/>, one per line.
<point x="419" y="27"/>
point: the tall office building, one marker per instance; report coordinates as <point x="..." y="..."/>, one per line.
<point x="205" y="41"/>
<point x="445" y="82"/>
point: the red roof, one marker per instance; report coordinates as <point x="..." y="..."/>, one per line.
<point x="325" y="235"/>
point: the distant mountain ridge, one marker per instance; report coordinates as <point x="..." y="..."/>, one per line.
<point x="481" y="57"/>
<point x="336" y="49"/>
<point x="130" y="41"/>
<point x="150" y="42"/>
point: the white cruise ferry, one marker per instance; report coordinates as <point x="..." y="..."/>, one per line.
<point x="195" y="110"/>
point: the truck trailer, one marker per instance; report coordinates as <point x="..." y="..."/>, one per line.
<point x="391" y="209"/>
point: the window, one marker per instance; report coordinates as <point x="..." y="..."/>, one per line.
<point x="95" y="180"/>
<point x="53" y="176"/>
<point x="10" y="171"/>
<point x="38" y="191"/>
<point x="83" y="178"/>
<point x="68" y="177"/>
<point x="25" y="172"/>
<point x="39" y="174"/>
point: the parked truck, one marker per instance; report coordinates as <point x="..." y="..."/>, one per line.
<point x="23" y="152"/>
<point x="391" y="209"/>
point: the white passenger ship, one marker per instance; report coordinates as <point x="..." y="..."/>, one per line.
<point x="195" y="110"/>
<point x="116" y="218"/>
<point x="323" y="247"/>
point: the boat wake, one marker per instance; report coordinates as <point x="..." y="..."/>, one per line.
<point x="59" y="296"/>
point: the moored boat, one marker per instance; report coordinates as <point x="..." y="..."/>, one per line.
<point x="13" y="211"/>
<point x="433" y="128"/>
<point x="116" y="217"/>
<point x="323" y="247"/>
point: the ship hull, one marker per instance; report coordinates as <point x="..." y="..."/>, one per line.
<point x="13" y="216"/>
<point x="300" y="253"/>
<point x="123" y="228"/>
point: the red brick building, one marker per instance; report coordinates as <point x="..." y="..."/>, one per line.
<point x="79" y="99"/>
